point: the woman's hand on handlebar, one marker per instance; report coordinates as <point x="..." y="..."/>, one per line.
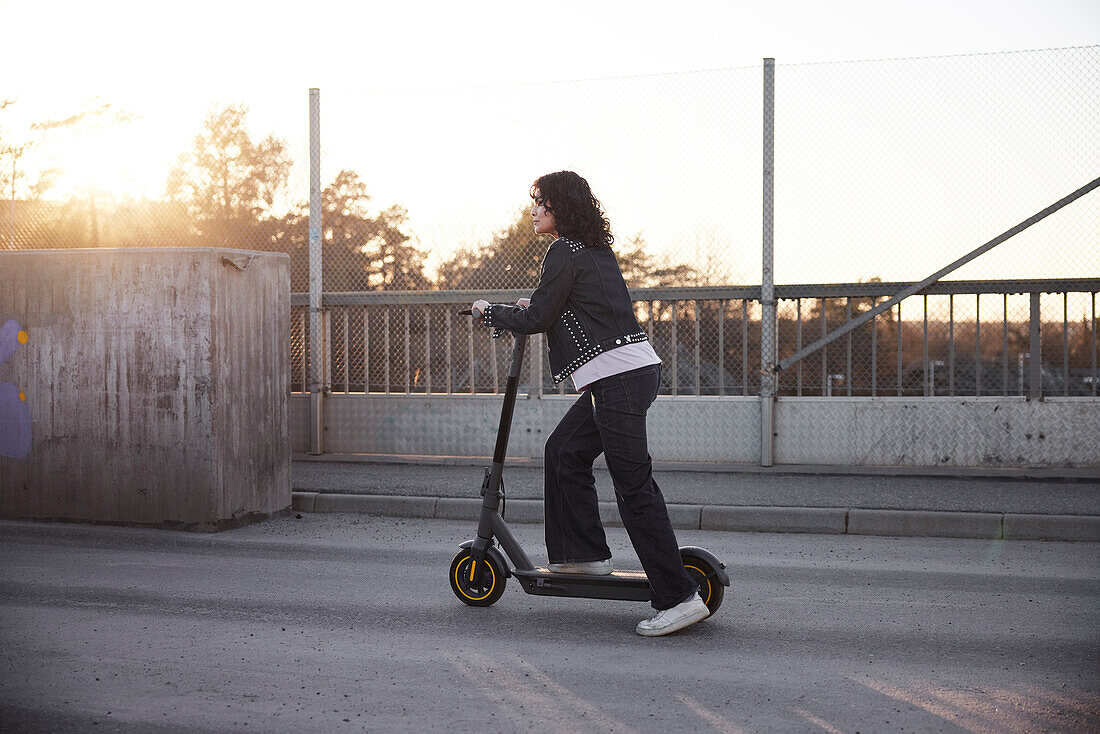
<point x="478" y="309"/>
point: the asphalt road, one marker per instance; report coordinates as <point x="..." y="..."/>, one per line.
<point x="333" y="623"/>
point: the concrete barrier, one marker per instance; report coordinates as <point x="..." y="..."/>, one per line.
<point x="391" y="506"/>
<point x="305" y="501"/>
<point x="457" y="508"/>
<point x="151" y="386"/>
<point x="1051" y="527"/>
<point x="925" y="523"/>
<point x="524" y="511"/>
<point x="756" y="519"/>
<point x="775" y="519"/>
<point x="683" y="517"/>
<point x="948" y="435"/>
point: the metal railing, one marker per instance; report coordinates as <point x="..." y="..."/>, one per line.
<point x="955" y="338"/>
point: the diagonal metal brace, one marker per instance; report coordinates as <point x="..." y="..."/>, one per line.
<point x="918" y="287"/>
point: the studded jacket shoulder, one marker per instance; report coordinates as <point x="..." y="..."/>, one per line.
<point x="582" y="304"/>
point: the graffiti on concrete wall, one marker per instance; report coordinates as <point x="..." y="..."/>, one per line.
<point x="15" y="414"/>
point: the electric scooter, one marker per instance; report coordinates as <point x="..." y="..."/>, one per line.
<point x="479" y="572"/>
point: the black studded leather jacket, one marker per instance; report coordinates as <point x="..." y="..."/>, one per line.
<point x="581" y="302"/>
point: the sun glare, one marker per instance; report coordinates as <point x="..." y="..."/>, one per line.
<point x="126" y="160"/>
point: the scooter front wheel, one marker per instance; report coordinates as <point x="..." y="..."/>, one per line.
<point x="477" y="584"/>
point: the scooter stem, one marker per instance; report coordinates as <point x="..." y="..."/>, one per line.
<point x="490" y="522"/>
<point x="510" y="390"/>
<point x="504" y="429"/>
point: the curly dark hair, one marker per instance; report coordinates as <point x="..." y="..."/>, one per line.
<point x="577" y="213"/>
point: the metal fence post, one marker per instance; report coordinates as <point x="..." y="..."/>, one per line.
<point x="318" y="353"/>
<point x="767" y="282"/>
<point x="1035" y="365"/>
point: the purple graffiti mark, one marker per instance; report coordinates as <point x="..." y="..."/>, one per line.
<point x="15" y="414"/>
<point x="15" y="422"/>
<point x="11" y="337"/>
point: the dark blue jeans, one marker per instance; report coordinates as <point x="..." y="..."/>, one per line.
<point x="610" y="418"/>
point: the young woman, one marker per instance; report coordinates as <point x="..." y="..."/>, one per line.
<point x="582" y="303"/>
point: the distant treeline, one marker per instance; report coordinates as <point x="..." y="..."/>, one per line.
<point x="222" y="192"/>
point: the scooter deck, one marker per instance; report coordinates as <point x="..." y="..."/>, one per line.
<point x="620" y="585"/>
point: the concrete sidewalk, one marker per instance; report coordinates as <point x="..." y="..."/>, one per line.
<point x="1033" y="504"/>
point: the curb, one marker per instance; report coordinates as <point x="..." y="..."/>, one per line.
<point x="753" y="519"/>
<point x="1062" y="474"/>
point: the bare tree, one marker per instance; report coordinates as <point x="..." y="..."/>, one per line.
<point x="227" y="180"/>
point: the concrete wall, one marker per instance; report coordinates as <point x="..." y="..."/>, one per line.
<point x="964" y="432"/>
<point x="703" y="429"/>
<point x="937" y="431"/>
<point x="154" y="383"/>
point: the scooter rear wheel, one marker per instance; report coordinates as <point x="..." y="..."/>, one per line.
<point x="706" y="575"/>
<point x="477" y="585"/>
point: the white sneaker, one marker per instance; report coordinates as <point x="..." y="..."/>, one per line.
<point x="669" y="620"/>
<point x="590" y="568"/>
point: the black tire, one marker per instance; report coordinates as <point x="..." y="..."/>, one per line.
<point x="481" y="595"/>
<point x="706" y="575"/>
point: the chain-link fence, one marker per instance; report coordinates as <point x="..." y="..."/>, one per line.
<point x="884" y="172"/>
<point x="159" y="171"/>
<point x="892" y="169"/>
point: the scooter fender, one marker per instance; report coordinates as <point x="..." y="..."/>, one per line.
<point x="499" y="557"/>
<point x="706" y="555"/>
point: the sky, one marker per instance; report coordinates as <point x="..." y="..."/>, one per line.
<point x="399" y="81"/>
<point x="78" y="46"/>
